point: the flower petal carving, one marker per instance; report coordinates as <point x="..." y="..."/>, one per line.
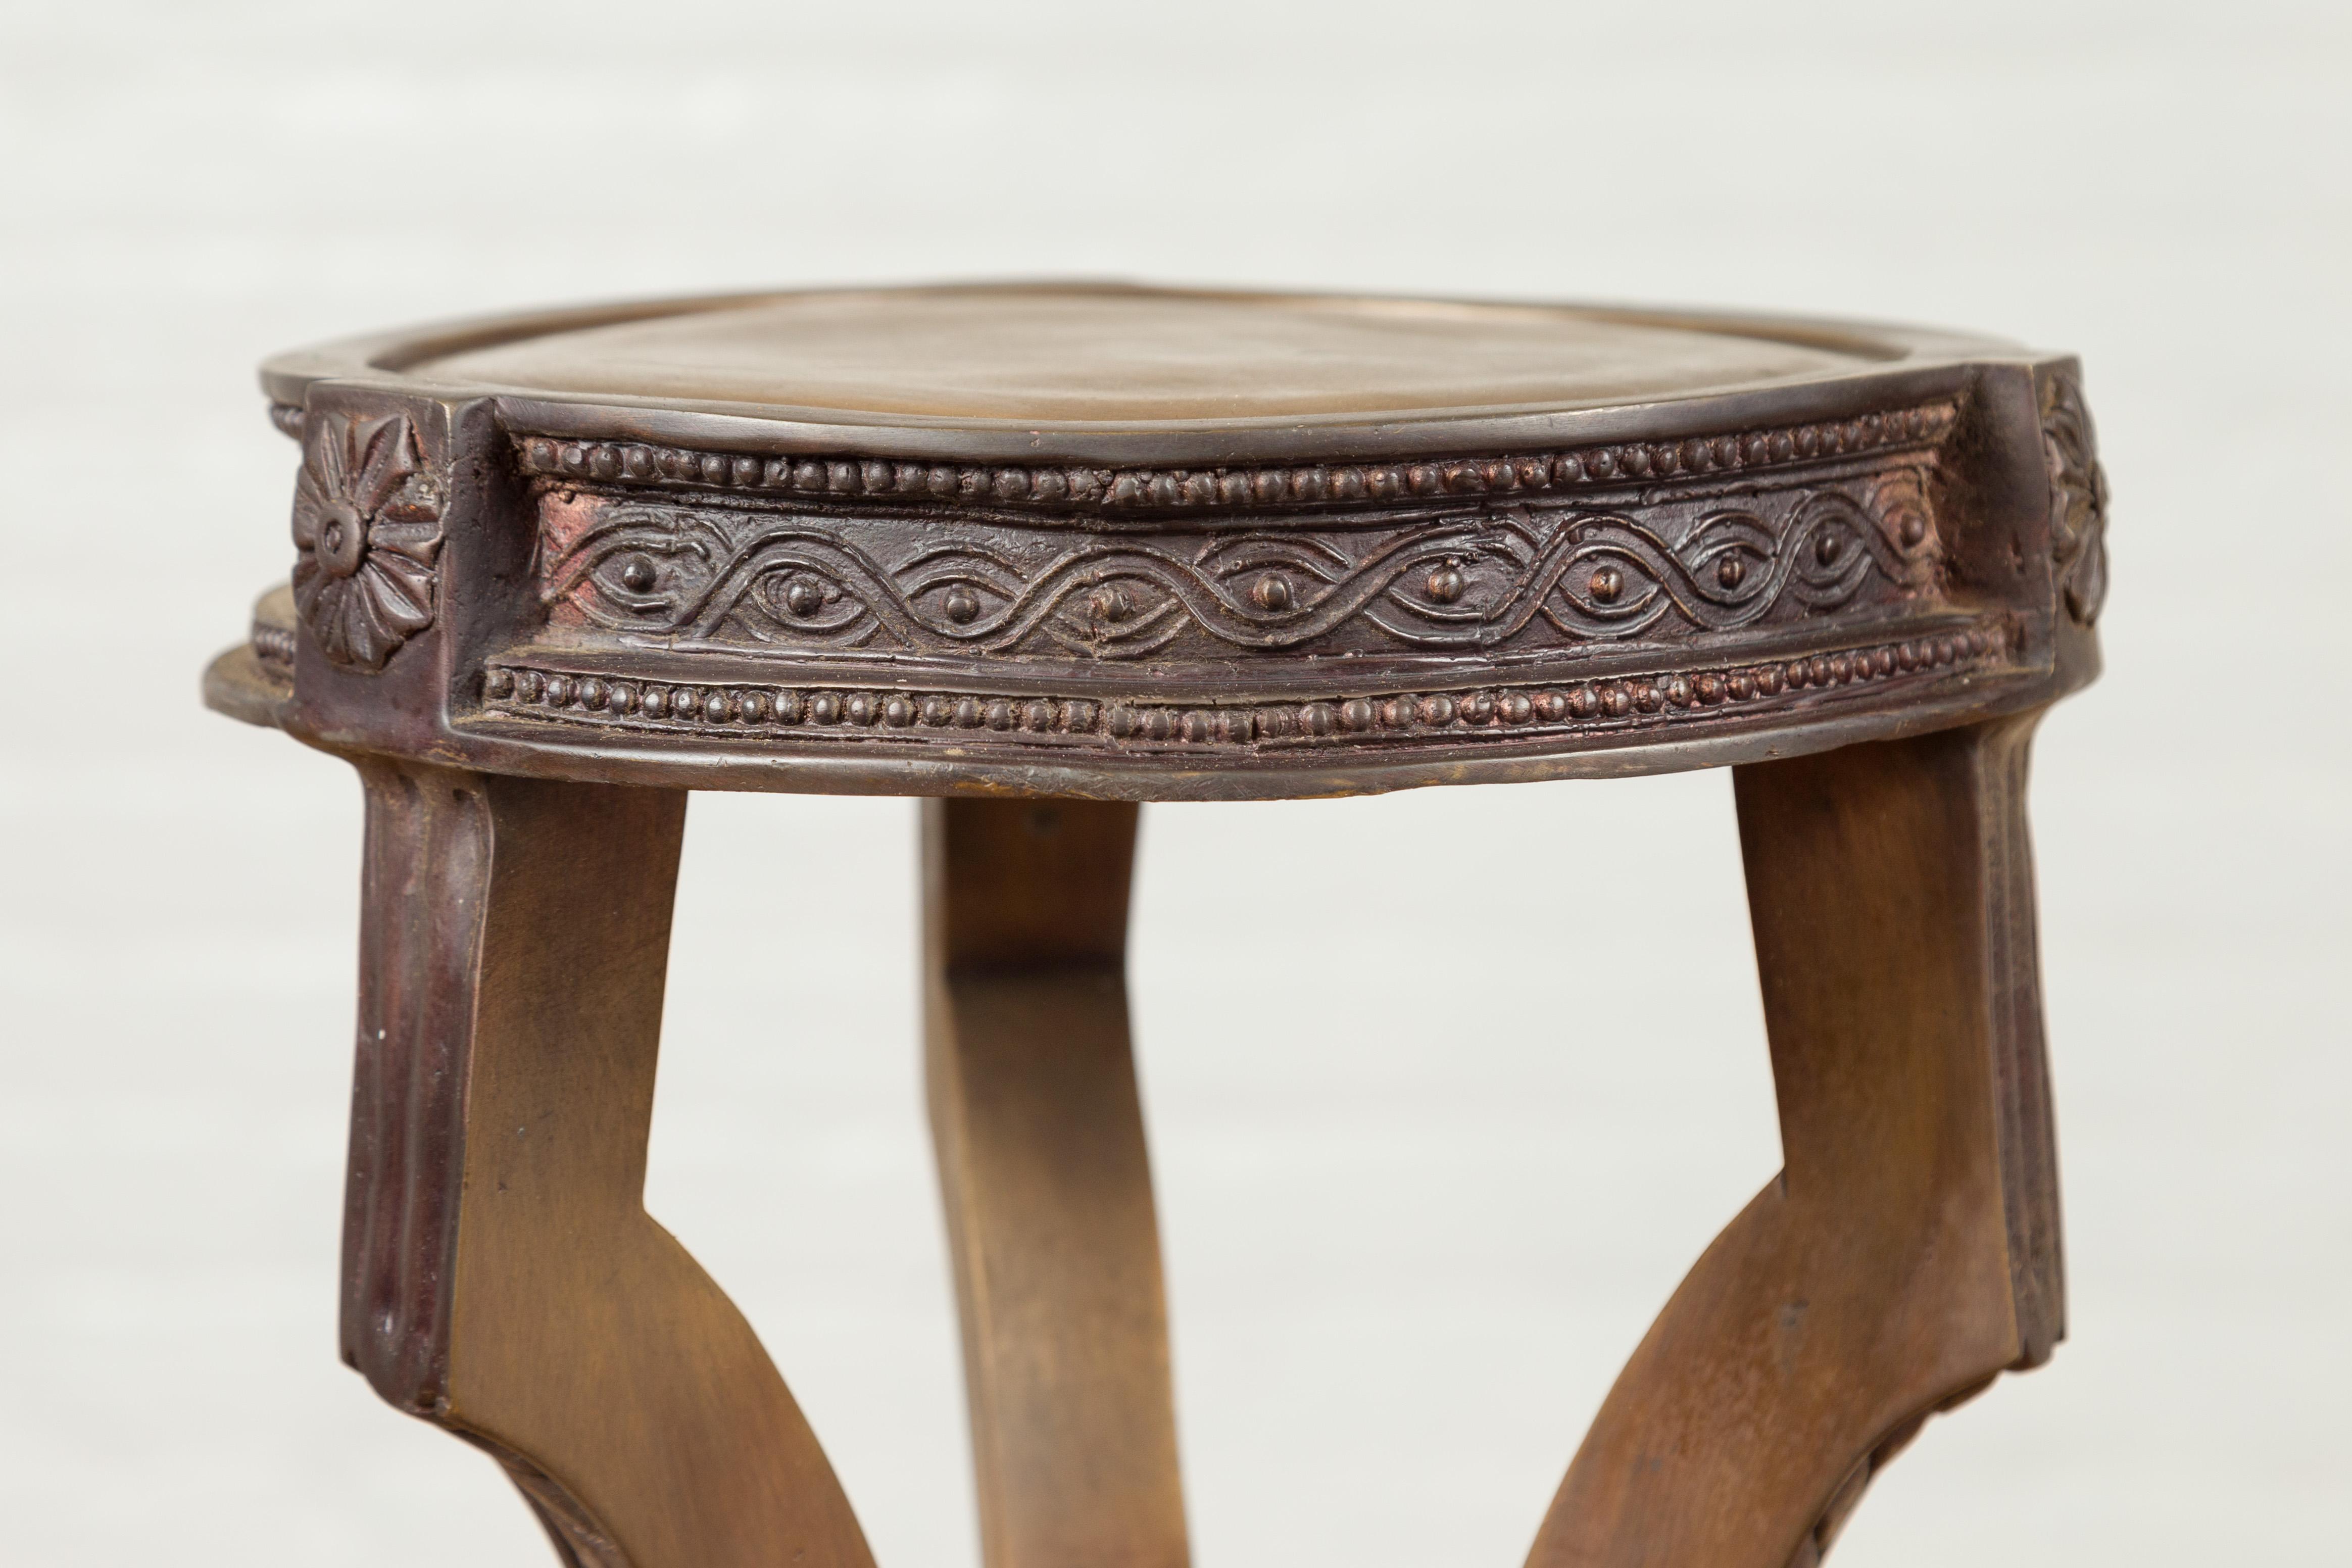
<point x="367" y="529"/>
<point x="2078" y="496"/>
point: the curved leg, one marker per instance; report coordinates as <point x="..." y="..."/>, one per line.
<point x="1048" y="1192"/>
<point x="500" y="1275"/>
<point x="1909" y="1251"/>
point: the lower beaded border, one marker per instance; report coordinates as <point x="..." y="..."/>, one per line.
<point x="740" y="709"/>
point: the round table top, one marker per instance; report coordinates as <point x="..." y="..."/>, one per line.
<point x="1184" y="370"/>
<point x="1059" y="356"/>
<point x="1104" y="539"/>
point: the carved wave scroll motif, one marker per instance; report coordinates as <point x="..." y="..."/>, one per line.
<point x="1484" y="577"/>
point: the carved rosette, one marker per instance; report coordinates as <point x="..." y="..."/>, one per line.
<point x="367" y="528"/>
<point x="2078" y="496"/>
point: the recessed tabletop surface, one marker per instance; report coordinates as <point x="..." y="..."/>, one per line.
<point x="1113" y="355"/>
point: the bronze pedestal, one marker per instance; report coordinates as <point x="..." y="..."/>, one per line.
<point x="1041" y="553"/>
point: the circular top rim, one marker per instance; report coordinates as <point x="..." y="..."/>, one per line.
<point x="1770" y="362"/>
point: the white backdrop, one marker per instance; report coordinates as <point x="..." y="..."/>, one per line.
<point x="1447" y="1089"/>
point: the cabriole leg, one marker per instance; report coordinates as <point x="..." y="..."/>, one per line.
<point x="1048" y="1192"/>
<point x="500" y="1275"/>
<point x="1909" y="1251"/>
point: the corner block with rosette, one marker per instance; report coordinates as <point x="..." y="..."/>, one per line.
<point x="1042" y="553"/>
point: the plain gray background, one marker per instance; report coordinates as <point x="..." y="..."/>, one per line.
<point x="1447" y="1088"/>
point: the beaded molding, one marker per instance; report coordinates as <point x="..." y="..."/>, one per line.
<point x="1316" y="484"/>
<point x="734" y="709"/>
<point x="272" y="644"/>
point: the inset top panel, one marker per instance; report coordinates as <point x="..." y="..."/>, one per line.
<point x="1083" y="356"/>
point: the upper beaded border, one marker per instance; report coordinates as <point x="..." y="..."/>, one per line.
<point x="1313" y="484"/>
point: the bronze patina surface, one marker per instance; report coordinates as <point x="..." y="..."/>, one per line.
<point x="1072" y="547"/>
